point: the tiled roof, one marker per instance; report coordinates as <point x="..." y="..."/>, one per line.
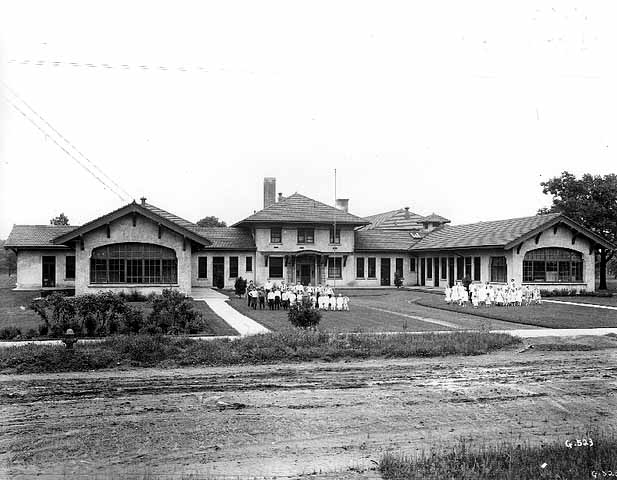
<point x="36" y="235"/>
<point x="300" y="209"/>
<point x="433" y="217"/>
<point x="401" y="219"/>
<point x="484" y="234"/>
<point x="379" y="240"/>
<point x="226" y="238"/>
<point x="169" y="216"/>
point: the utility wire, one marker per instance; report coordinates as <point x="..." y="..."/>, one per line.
<point x="123" y="66"/>
<point x="126" y="195"/>
<point x="107" y="187"/>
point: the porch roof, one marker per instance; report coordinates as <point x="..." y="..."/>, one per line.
<point x="37" y="236"/>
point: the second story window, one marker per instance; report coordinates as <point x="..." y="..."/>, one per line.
<point x="306" y="235"/>
<point x="275" y="235"/>
<point x="335" y="237"/>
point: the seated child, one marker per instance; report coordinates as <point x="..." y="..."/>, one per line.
<point x="448" y="293"/>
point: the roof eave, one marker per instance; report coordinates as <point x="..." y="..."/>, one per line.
<point x="121" y="212"/>
<point x="467" y="247"/>
<point x="568" y="221"/>
<point x="252" y="223"/>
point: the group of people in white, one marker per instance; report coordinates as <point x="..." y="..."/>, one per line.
<point x="487" y="295"/>
<point x="276" y="296"/>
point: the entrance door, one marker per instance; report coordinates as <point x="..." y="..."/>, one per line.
<point x="422" y="271"/>
<point x="305" y="274"/>
<point x="49" y="271"/>
<point x="218" y="272"/>
<point x="436" y="262"/>
<point x="451" y="271"/>
<point x="385" y="272"/>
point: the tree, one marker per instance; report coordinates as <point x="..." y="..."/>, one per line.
<point x="211" y="221"/>
<point x="61" y="219"/>
<point x="590" y="201"/>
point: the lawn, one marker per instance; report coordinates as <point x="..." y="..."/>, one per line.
<point x="607" y="301"/>
<point x="14" y="311"/>
<point x="549" y="315"/>
<point x="360" y="318"/>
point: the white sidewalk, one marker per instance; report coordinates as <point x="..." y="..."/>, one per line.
<point x="218" y="303"/>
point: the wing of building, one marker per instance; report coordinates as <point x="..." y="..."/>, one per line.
<point x="298" y="239"/>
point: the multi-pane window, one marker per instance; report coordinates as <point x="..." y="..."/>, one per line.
<point x="334" y="267"/>
<point x="335" y="237"/>
<point x="412" y="264"/>
<point x="399" y="267"/>
<point x="476" y="268"/>
<point x="306" y="235"/>
<point x="429" y="268"/>
<point x="275" y="265"/>
<point x="499" y="269"/>
<point x="372" y="267"/>
<point x="133" y="263"/>
<point x="69" y="272"/>
<point x="444" y="268"/>
<point x="360" y="267"/>
<point x="233" y="267"/>
<point x="460" y="263"/>
<point x="275" y="235"/>
<point x="554" y="265"/>
<point x="468" y="267"/>
<point x="249" y="264"/>
<point x="202" y="267"/>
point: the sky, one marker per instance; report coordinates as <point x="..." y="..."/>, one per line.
<point x="459" y="108"/>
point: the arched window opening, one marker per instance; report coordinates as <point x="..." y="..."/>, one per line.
<point x="133" y="263"/>
<point x="553" y="265"/>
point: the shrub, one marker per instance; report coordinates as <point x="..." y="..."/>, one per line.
<point x="132" y="320"/>
<point x="240" y="286"/>
<point x="10" y="332"/>
<point x="398" y="280"/>
<point x="133" y="296"/>
<point x="172" y="312"/>
<point x="303" y="315"/>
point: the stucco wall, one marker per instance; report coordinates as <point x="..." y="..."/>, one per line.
<point x="562" y="238"/>
<point x="409" y="277"/>
<point x="289" y="240"/>
<point x="229" y="281"/>
<point x="122" y="230"/>
<point x="30" y="268"/>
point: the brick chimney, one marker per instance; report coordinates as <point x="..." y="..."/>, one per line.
<point x="281" y="197"/>
<point x="143" y="200"/>
<point x="342" y="204"/>
<point x="269" y="191"/>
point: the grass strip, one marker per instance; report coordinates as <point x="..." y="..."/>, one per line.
<point x="290" y="345"/>
<point x="506" y="460"/>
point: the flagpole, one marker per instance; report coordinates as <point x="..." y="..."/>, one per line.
<point x="334" y="236"/>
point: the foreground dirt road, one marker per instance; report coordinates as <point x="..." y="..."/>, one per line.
<point x="336" y="419"/>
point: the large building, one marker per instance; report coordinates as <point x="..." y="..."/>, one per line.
<point x="298" y="239"/>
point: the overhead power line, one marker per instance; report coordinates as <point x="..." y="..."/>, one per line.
<point x="68" y="142"/>
<point x="63" y="148"/>
<point x="124" y="66"/>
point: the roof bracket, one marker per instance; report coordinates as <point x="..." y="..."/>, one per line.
<point x="592" y="246"/>
<point x="266" y="259"/>
<point x="160" y="231"/>
<point x="183" y="243"/>
<point x="108" y="229"/>
<point x="574" y="235"/>
<point x="518" y="249"/>
<point x="345" y="260"/>
<point x="555" y="227"/>
<point x="81" y="242"/>
<point x="134" y="219"/>
<point x="538" y="237"/>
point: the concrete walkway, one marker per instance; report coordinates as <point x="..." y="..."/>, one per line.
<point x="591" y="305"/>
<point x="218" y="303"/>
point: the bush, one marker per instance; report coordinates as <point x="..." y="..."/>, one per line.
<point x="133" y="296"/>
<point x="172" y="312"/>
<point x="398" y="280"/>
<point x="240" y="286"/>
<point x="9" y="333"/>
<point x="303" y="315"/>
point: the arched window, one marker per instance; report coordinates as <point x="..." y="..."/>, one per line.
<point x="553" y="265"/>
<point x="133" y="263"/>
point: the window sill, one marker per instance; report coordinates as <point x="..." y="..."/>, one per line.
<point x="554" y="283"/>
<point x="131" y="285"/>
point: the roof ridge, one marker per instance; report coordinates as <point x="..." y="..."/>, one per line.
<point x="504" y="220"/>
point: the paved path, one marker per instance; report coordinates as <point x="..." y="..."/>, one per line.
<point x="417" y="317"/>
<point x="592" y="305"/>
<point x="218" y="303"/>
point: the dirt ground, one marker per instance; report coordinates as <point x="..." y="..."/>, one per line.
<point x="332" y="420"/>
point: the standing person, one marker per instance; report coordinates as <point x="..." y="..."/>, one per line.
<point x="262" y="299"/>
<point x="270" y="297"/>
<point x="277" y="299"/>
<point x="466" y="283"/>
<point x="268" y="286"/>
<point x="253" y="298"/>
<point x="249" y="289"/>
